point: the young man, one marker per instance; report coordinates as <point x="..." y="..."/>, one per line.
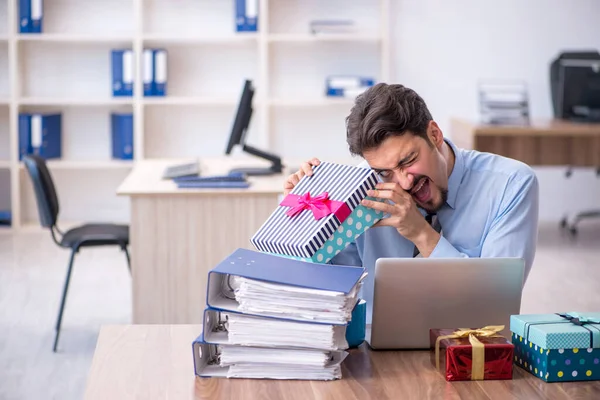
<point x="442" y="201"/>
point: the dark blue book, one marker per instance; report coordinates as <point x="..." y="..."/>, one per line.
<point x="40" y="134"/>
<point x="46" y="135"/>
<point x="24" y="16"/>
<point x="246" y="15"/>
<point x="122" y="136"/>
<point x="5" y="217"/>
<point x="24" y="135"/>
<point x="122" y="72"/>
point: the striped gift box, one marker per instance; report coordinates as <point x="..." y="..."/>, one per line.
<point x="299" y="228"/>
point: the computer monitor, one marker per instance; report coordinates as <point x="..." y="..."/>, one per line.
<point x="238" y="137"/>
<point x="576" y="86"/>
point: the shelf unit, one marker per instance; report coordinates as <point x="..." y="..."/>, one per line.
<point x="67" y="69"/>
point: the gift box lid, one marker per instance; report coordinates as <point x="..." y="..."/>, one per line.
<point x="558" y="331"/>
<point x="489" y="341"/>
<point x="319" y="203"/>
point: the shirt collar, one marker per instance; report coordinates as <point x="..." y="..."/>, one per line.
<point x="456" y="175"/>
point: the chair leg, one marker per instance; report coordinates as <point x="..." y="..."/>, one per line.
<point x="128" y="259"/>
<point x="64" y="297"/>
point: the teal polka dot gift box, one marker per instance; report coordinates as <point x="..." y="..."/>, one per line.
<point x="558" y="347"/>
<point x="321" y="216"/>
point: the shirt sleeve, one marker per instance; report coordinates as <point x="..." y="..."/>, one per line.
<point x="513" y="233"/>
<point x="348" y="256"/>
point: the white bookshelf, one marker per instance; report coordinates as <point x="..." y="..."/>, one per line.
<point x="67" y="68"/>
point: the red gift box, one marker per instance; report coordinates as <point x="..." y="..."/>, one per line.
<point x="472" y="354"/>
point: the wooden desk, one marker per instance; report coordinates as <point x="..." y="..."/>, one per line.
<point x="550" y="142"/>
<point x="155" y="362"/>
<point x="178" y="235"/>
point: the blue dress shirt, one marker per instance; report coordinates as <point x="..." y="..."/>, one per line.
<point x="491" y="211"/>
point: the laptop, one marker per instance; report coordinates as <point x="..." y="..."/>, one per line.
<point x="412" y="295"/>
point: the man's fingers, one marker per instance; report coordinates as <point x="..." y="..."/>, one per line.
<point x="378" y="205"/>
<point x="293" y="180"/>
<point x="393" y="187"/>
<point x="386" y="194"/>
<point x="307" y="166"/>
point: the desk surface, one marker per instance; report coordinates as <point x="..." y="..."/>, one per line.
<point x="549" y="127"/>
<point x="155" y="361"/>
<point x="146" y="177"/>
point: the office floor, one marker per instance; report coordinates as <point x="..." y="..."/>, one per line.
<point x="565" y="277"/>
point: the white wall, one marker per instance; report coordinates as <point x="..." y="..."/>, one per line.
<point x="441" y="48"/>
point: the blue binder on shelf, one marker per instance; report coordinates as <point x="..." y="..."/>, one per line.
<point x="122" y="72"/>
<point x="122" y="136"/>
<point x="37" y="16"/>
<point x="24" y="16"/>
<point x="155" y="72"/>
<point x="246" y="15"/>
<point x="148" y="72"/>
<point x="30" y="16"/>
<point x="276" y="269"/>
<point x="40" y="134"/>
<point x="160" y="72"/>
<point x="5" y="217"/>
<point x="24" y="135"/>
<point x="347" y="86"/>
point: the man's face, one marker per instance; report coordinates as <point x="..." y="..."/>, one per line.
<point x="417" y="166"/>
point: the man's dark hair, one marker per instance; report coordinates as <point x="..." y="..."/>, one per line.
<point x="383" y="111"/>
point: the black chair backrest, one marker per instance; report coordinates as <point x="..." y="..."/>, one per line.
<point x="45" y="193"/>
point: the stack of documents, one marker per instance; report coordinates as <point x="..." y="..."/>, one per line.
<point x="272" y="299"/>
<point x="223" y="327"/>
<point x="505" y="103"/>
<point x="273" y="317"/>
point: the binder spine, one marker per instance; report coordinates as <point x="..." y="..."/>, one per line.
<point x="160" y="72"/>
<point x="36" y="134"/>
<point x="127" y="73"/>
<point x="47" y="132"/>
<point x="24" y="16"/>
<point x="148" y="76"/>
<point x="24" y="135"/>
<point x="37" y="15"/>
<point x="117" y="72"/>
<point x="122" y="72"/>
<point x="246" y="15"/>
<point x="122" y="136"/>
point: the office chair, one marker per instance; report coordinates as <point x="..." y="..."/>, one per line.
<point x="87" y="235"/>
<point x="571" y="226"/>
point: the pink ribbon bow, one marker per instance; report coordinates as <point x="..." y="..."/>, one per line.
<point x="321" y="206"/>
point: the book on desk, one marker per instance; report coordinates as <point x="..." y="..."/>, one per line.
<point x="232" y="180"/>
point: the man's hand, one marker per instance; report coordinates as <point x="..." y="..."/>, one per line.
<point x="293" y="179"/>
<point x="404" y="216"/>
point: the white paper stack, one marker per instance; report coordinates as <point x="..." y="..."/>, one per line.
<point x="273" y="317"/>
<point x="254" y="331"/>
<point x="304" y="365"/>
<point x="303" y="304"/>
